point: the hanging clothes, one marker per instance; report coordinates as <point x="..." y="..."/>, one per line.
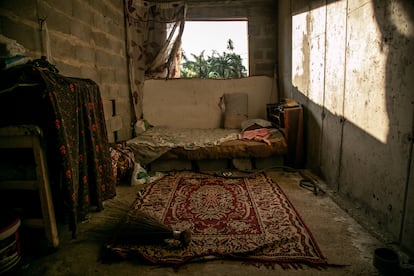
<point x="77" y="137"/>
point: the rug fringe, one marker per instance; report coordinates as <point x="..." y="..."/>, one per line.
<point x="291" y="265"/>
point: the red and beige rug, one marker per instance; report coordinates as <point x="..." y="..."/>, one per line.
<point x="249" y="219"/>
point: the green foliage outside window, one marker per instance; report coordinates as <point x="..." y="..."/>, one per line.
<point x="217" y="66"/>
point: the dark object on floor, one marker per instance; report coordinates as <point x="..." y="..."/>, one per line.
<point x="386" y="261"/>
<point x="9" y="241"/>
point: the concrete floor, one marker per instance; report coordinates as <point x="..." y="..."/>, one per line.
<point x="341" y="239"/>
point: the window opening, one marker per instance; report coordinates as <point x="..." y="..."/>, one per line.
<point x="214" y="49"/>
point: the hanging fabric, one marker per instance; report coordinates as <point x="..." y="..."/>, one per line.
<point x="70" y="113"/>
<point x="154" y="30"/>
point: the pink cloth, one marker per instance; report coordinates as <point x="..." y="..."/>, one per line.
<point x="260" y="134"/>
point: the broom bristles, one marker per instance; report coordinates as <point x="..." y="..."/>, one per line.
<point x="141" y="227"/>
<point x="144" y="221"/>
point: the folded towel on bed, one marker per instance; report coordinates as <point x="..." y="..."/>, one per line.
<point x="260" y="134"/>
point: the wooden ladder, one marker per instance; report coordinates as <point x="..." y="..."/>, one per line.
<point x="29" y="137"/>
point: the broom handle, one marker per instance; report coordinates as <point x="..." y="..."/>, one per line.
<point x="176" y="234"/>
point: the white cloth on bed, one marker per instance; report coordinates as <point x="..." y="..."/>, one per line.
<point x="154" y="142"/>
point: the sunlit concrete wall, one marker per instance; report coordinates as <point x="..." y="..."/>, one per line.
<point x="84" y="39"/>
<point x="351" y="65"/>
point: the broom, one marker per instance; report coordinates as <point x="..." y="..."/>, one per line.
<point x="141" y="228"/>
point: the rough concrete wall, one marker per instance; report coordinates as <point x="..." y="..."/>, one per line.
<point x="351" y="64"/>
<point x="84" y="39"/>
<point x="195" y="103"/>
<point x="284" y="54"/>
<point x="262" y="28"/>
<point x="407" y="231"/>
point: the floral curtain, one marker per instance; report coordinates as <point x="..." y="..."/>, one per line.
<point x="154" y="30"/>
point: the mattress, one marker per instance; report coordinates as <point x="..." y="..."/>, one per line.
<point x="200" y="144"/>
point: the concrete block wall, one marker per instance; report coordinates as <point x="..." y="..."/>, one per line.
<point x="195" y="103"/>
<point x="84" y="39"/>
<point x="350" y="64"/>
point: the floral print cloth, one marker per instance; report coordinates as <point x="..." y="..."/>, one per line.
<point x="123" y="161"/>
<point x="70" y="113"/>
<point x="83" y="143"/>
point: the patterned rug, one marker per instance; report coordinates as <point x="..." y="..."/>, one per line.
<point x="248" y="219"/>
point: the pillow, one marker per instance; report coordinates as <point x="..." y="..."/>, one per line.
<point x="235" y="109"/>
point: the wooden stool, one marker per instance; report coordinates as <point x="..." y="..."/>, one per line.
<point x="29" y="137"/>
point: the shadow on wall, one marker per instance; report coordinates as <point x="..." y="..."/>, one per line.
<point x="396" y="22"/>
<point x="368" y="166"/>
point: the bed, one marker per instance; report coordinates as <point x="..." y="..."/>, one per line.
<point x="192" y="144"/>
<point x="198" y="121"/>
